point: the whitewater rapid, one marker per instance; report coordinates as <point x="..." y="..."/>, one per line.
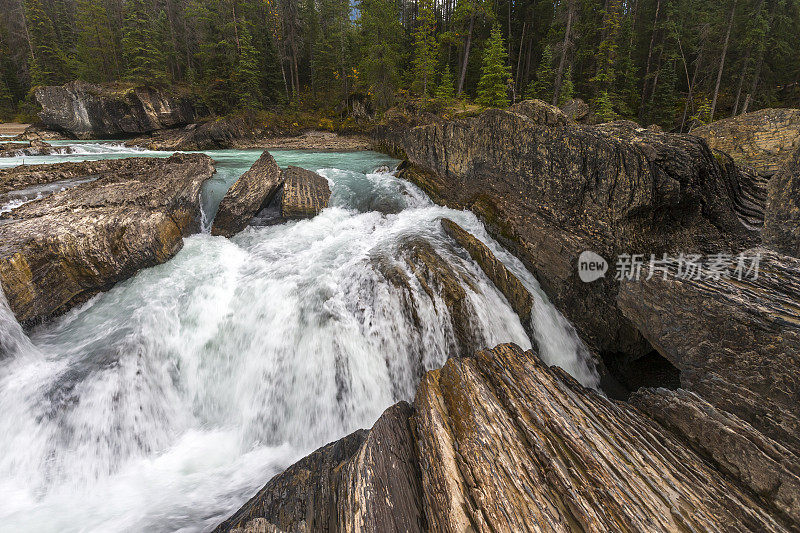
<point x="166" y="402"/>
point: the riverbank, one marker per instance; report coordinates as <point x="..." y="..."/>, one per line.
<point x="12" y="129"/>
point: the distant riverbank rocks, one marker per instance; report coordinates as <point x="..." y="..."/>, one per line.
<point x="764" y="139"/>
<point x="123" y="215"/>
<point x="94" y="111"/>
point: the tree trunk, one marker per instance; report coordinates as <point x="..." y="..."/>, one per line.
<point x="649" y="59"/>
<point x="722" y="59"/>
<point x="519" y="56"/>
<point x="562" y="62"/>
<point x="464" y="62"/>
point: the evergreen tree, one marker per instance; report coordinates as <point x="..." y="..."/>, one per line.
<point x="95" y="42"/>
<point x="246" y="74"/>
<point x="141" y="45"/>
<point x="424" y="68"/>
<point x="445" y="92"/>
<point x="493" y="85"/>
<point x="48" y="63"/>
<point x="541" y="86"/>
<point x="605" y="76"/>
<point x="380" y="64"/>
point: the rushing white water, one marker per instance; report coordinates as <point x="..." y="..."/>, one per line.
<point x="166" y="402"/>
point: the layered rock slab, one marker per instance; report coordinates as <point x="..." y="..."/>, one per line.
<point x="304" y="194"/>
<point x="551" y="192"/>
<point x="59" y="251"/>
<point x="764" y="139"/>
<point x="503" y="442"/>
<point x="87" y="110"/>
<point x="736" y="340"/>
<point x="367" y="481"/>
<point x="782" y="222"/>
<point x="249" y="194"/>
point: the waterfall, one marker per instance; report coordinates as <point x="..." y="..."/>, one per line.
<point x="165" y="403"/>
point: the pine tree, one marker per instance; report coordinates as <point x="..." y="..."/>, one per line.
<point x="606" y="74"/>
<point x="95" y="42"/>
<point x="493" y="85"/>
<point x="541" y="86"/>
<point x="48" y="63"/>
<point x="144" y="59"/>
<point x="380" y="64"/>
<point x="246" y="74"/>
<point x="445" y="91"/>
<point x="424" y="68"/>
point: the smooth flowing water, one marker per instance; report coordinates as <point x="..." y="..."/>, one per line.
<point x="166" y="402"/>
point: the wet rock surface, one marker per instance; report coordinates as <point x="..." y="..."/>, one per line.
<point x="252" y="191"/>
<point x="551" y="192"/>
<point x="87" y="110"/>
<point x="735" y="341"/>
<point x="59" y="251"/>
<point x="782" y="225"/>
<point x="304" y="193"/>
<point x="500" y="440"/>
<point x="31" y="148"/>
<point x="764" y="139"/>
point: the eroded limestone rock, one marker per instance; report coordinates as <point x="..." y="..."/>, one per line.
<point x="304" y="194"/>
<point x="782" y="223"/>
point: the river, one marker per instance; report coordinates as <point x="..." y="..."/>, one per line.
<point x="166" y="402"/>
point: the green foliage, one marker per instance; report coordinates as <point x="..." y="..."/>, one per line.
<point x="246" y="73"/>
<point x="541" y="86"/>
<point x="141" y="51"/>
<point x="48" y="63"/>
<point x="493" y="85"/>
<point x="380" y="64"/>
<point x="424" y="66"/>
<point x="445" y="91"/>
<point x="95" y="42"/>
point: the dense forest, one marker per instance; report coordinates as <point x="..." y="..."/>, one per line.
<point x="676" y="63"/>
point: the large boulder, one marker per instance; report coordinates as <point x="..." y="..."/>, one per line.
<point x="126" y="215"/>
<point x="252" y="191"/>
<point x="551" y="192"/>
<point x="31" y="148"/>
<point x="500" y="442"/>
<point x="87" y="110"/>
<point x="764" y="139"/>
<point x="782" y="218"/>
<point x="734" y="335"/>
<point x="304" y="194"/>
<point x="213" y="134"/>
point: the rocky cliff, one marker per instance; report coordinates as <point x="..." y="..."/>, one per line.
<point x="782" y="225"/>
<point x="499" y="441"/>
<point x="86" y="110"/>
<point x="550" y="189"/>
<point x="764" y="139"/>
<point x="125" y="215"/>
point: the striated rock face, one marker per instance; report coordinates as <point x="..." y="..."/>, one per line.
<point x="782" y="225"/>
<point x="304" y="194"/>
<point x="501" y="442"/>
<point x="27" y="175"/>
<point x="367" y="481"/>
<point x="551" y="192"/>
<point x="736" y="342"/>
<point x="512" y="288"/>
<point x="88" y="110"/>
<point x="59" y="251"/>
<point x="764" y="139"/>
<point x="252" y="191"/>
<point x="736" y="448"/>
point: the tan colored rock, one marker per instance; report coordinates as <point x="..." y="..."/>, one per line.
<point x="305" y="193"/>
<point x="764" y="139"/>
<point x="512" y="288"/>
<point x="541" y="113"/>
<point x="59" y="251"/>
<point x="503" y="443"/>
<point x="252" y="191"/>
